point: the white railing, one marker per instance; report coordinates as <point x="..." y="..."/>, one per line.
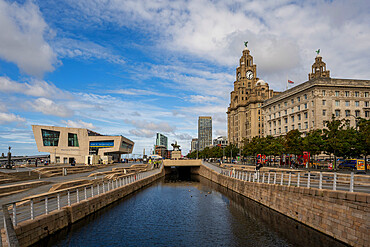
<point x="38" y="205"/>
<point x="320" y="180"/>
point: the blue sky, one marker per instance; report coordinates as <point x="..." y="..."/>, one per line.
<point x="138" y="67"/>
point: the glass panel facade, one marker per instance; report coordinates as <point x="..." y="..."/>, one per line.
<point x="50" y="138"/>
<point x="72" y="140"/>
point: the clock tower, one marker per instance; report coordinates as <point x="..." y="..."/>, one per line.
<point x="244" y="114"/>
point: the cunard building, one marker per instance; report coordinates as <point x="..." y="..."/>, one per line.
<point x="244" y="114"/>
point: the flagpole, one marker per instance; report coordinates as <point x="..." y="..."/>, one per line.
<point x="286" y="82"/>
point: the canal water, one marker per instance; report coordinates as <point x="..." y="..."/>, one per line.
<point x="187" y="213"/>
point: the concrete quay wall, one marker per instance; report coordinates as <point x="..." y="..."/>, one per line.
<point x="342" y="215"/>
<point x="31" y="231"/>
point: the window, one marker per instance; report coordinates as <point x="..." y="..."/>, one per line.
<point x="72" y="140"/>
<point x="366" y="94"/>
<point x="313" y="124"/>
<point x="274" y="108"/>
<point x="270" y="124"/>
<point x="292" y="109"/>
<point x="305" y="96"/>
<point x="337" y="93"/>
<point x="347" y="103"/>
<point x="305" y="115"/>
<point x="274" y="123"/>
<point x="279" y="114"/>
<point x="293" y="127"/>
<point x="279" y="130"/>
<point x="366" y="103"/>
<point x="323" y="92"/>
<point x="292" y="101"/>
<point x="50" y="137"/>
<point x="346" y="93"/>
<point x="337" y="103"/>
<point x="305" y="105"/>
<point x="312" y="103"/>
<point x="293" y="119"/>
<point x="274" y="115"/>
<point x="323" y="102"/>
<point x="286" y="120"/>
<point x="357" y="103"/>
<point x="299" y="99"/>
<point x="286" y="129"/>
<point x="279" y="106"/>
<point x="285" y="103"/>
<point x="286" y="112"/>
<point x="299" y="108"/>
<point x="337" y="113"/>
<point x="299" y="126"/>
<point x="357" y="94"/>
<point x="279" y="122"/>
<point x="299" y="117"/>
<point x="357" y="113"/>
<point x="306" y="125"/>
<point x="275" y="131"/>
<point x="324" y="112"/>
<point x="367" y="113"/>
<point x="348" y="113"/>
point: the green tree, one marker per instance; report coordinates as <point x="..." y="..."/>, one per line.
<point x="313" y="142"/>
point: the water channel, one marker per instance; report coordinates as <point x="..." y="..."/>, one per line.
<point x="197" y="212"/>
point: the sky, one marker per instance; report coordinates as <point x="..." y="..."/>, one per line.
<point x="138" y="67"/>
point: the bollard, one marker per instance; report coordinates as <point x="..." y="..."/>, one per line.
<point x="335" y="181"/>
<point x="320" y="181"/>
<point x="32" y="210"/>
<point x="77" y="196"/>
<point x="351" y="182"/>
<point x="263" y="177"/>
<point x="46" y="205"/>
<point x="268" y="178"/>
<point x="309" y="180"/>
<point x="58" y="201"/>
<point x="69" y="198"/>
<point x="282" y="178"/>
<point x="85" y="190"/>
<point x="14" y="214"/>
<point x="98" y="188"/>
<point x="275" y="178"/>
<point x="298" y="178"/>
<point x="92" y="190"/>
<point x="258" y="177"/>
<point x="290" y="178"/>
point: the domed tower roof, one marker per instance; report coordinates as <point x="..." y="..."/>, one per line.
<point x="261" y="83"/>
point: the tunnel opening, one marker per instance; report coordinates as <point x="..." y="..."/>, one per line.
<point x="180" y="173"/>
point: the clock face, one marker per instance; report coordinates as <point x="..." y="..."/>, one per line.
<point x="249" y="75"/>
<point x="239" y="76"/>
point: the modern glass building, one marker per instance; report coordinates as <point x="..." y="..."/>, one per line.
<point x="161" y="140"/>
<point x="204" y="132"/>
<point x="68" y="144"/>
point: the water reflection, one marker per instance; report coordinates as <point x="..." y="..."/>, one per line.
<point x="187" y="212"/>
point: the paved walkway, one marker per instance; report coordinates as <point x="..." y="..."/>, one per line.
<point x="58" y="179"/>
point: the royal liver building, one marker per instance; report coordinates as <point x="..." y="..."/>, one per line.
<point x="244" y="114"/>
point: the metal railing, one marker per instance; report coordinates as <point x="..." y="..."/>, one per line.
<point x="309" y="179"/>
<point x="34" y="206"/>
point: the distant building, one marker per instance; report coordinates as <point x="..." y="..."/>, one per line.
<point x="204" y="132"/>
<point x="161" y="151"/>
<point x="220" y="141"/>
<point x="194" y="144"/>
<point x="68" y="144"/>
<point x="161" y="140"/>
<point x="309" y="105"/>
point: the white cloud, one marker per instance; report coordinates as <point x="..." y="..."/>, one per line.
<point x="36" y="88"/>
<point x="183" y="136"/>
<point x="78" y="124"/>
<point x="10" y="117"/>
<point x="202" y="99"/>
<point x="143" y="124"/>
<point x="142" y="133"/>
<point x="136" y="92"/>
<point x="71" y="48"/>
<point x="22" y="40"/>
<point x="49" y="107"/>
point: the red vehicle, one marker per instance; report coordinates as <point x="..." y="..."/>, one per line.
<point x="261" y="159"/>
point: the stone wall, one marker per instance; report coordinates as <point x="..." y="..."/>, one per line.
<point x="31" y="231"/>
<point x="342" y="215"/>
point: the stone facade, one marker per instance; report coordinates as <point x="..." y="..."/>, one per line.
<point x="309" y="105"/>
<point x="244" y="114"/>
